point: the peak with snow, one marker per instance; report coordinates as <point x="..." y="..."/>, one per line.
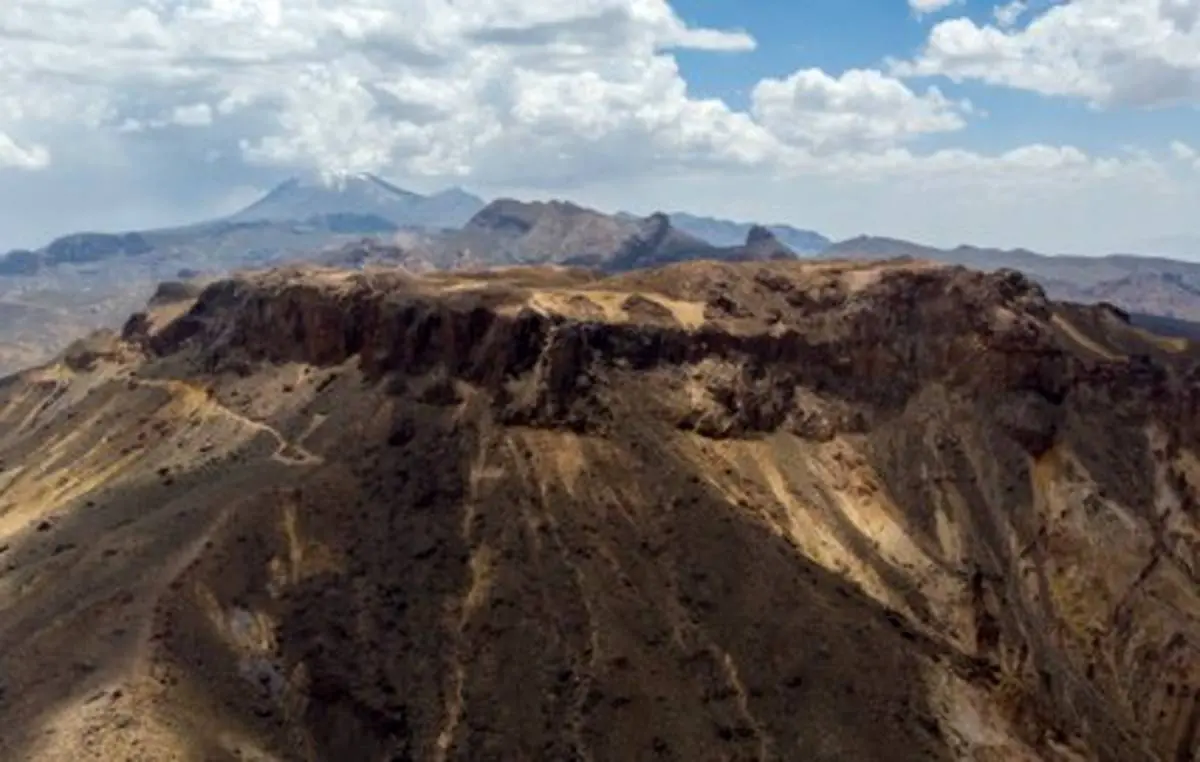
<point x="362" y="194"/>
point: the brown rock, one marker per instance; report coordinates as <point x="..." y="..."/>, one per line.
<point x="770" y="510"/>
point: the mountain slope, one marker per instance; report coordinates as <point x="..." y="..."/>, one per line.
<point x="361" y="194"/>
<point x="829" y="511"/>
<point x="1148" y="285"/>
<point x="727" y="233"/>
<point x="90" y="280"/>
<point x="508" y="231"/>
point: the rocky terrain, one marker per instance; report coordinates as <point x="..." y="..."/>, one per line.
<point x="714" y="511"/>
<point x="88" y="280"/>
<point x="1154" y="287"/>
<point x="84" y="281"/>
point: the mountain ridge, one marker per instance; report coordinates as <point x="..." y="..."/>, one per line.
<point x="1152" y="285"/>
<point x="93" y="279"/>
<point x="709" y="511"/>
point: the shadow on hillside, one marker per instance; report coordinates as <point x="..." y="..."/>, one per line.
<point x="633" y="614"/>
<point x="83" y="578"/>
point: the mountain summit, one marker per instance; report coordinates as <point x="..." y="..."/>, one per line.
<point x="561" y="232"/>
<point x="361" y="194"/>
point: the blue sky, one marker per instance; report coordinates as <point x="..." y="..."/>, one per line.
<point x="831" y="34"/>
<point x="838" y="35"/>
<point x="1082" y="134"/>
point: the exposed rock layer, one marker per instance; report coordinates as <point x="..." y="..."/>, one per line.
<point x="880" y="511"/>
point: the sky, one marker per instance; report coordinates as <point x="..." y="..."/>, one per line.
<point x="1061" y="126"/>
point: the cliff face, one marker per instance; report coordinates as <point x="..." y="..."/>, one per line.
<point x="781" y="511"/>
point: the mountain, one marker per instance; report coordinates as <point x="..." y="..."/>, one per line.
<point x="1175" y="246"/>
<point x="80" y="248"/>
<point x="297" y="216"/>
<point x="773" y="510"/>
<point x="727" y="233"/>
<point x="1145" y="285"/>
<point x="93" y="279"/>
<point x="508" y="231"/>
<point x="86" y="280"/>
<point x="762" y="244"/>
<point x="361" y="194"/>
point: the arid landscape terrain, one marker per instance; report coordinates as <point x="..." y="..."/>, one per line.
<point x="85" y="281"/>
<point x="770" y="510"/>
<point x="599" y="381"/>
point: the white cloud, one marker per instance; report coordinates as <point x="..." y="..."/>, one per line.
<point x="498" y="91"/>
<point x="192" y="115"/>
<point x="1009" y="14"/>
<point x="17" y="156"/>
<point x="861" y="109"/>
<point x="421" y="86"/>
<point x="1108" y="52"/>
<point x="560" y="98"/>
<point x="922" y="7"/>
<point x="1185" y="153"/>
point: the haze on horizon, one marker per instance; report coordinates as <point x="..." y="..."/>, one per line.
<point x="1067" y="126"/>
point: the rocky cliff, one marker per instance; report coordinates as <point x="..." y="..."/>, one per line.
<point x="757" y="511"/>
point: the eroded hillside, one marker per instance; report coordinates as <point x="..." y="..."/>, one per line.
<point x="768" y="511"/>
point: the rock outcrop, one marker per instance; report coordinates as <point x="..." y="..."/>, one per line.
<point x="762" y="244"/>
<point x="769" y="511"/>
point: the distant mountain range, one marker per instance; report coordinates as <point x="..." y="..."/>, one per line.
<point x="50" y="295"/>
<point x="1174" y="246"/>
<point x="1158" y="286"/>
<point x="510" y="232"/>
<point x="726" y="233"/>
<point x="301" y="216"/>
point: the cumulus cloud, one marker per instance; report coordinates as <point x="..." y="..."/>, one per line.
<point x="860" y="109"/>
<point x="424" y="87"/>
<point x="505" y="95"/>
<point x="1108" y="52"/>
<point x="496" y="91"/>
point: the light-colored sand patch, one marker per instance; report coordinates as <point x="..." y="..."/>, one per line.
<point x="975" y="729"/>
<point x="591" y="304"/>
